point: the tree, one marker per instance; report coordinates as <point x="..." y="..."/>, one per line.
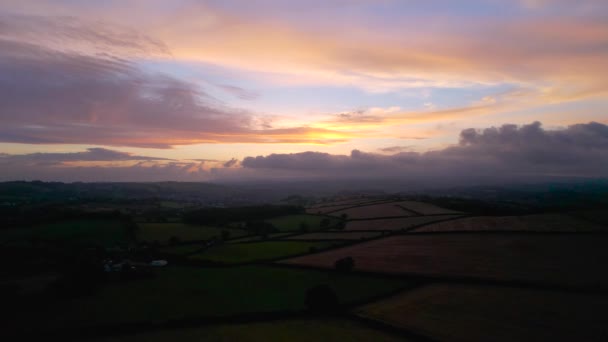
<point x="131" y="229"/>
<point x="324" y="222"/>
<point x="345" y="264"/>
<point x="225" y="234"/>
<point x="341" y="225"/>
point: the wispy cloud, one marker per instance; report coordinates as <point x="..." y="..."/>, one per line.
<point x="51" y="96"/>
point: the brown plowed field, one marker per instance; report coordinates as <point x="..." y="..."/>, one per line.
<point x="395" y="223"/>
<point x="565" y="259"/>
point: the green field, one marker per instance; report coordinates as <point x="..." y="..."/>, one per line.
<point x="286" y="330"/>
<point x="258" y="251"/>
<point x="105" y="233"/>
<point x="162" y="232"/>
<point x="181" y="292"/>
<point x="261" y="238"/>
<point x="293" y="222"/>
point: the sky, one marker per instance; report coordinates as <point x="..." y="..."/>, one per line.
<point x="151" y="90"/>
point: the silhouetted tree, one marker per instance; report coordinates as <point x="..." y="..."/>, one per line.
<point x="345" y="264"/>
<point x="131" y="229"/>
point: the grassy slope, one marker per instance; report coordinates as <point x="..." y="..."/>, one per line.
<point x="179" y="292"/>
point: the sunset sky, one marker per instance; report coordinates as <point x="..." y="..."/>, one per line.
<point x="218" y="90"/>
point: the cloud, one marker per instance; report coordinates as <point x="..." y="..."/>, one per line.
<point x="495" y="154"/>
<point x="100" y="164"/>
<point x="91" y="154"/>
<point x="395" y="149"/>
<point x="432" y="49"/>
<point x="71" y="34"/>
<point x="239" y="92"/>
<point x="57" y="96"/>
<point x="501" y="154"/>
<point x="231" y="163"/>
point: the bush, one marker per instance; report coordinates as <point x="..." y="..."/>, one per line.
<point x="345" y="264"/>
<point x="341" y="225"/>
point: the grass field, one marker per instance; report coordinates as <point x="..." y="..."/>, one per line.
<point x="162" y="232"/>
<point x="333" y="235"/>
<point x="426" y="208"/>
<point x="183" y="292"/>
<point x="395" y="223"/>
<point x="257" y="251"/>
<point x="563" y="259"/>
<point x="527" y="223"/>
<point x="328" y="209"/>
<point x="483" y="313"/>
<point x="260" y="238"/>
<point x="293" y="222"/>
<point x="374" y="210"/>
<point x="352" y="201"/>
<point x="105" y="233"/>
<point x="285" y="330"/>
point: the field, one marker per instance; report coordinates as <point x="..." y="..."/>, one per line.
<point x="426" y="208"/>
<point x="391" y="209"/>
<point x="251" y="238"/>
<point x="528" y="223"/>
<point x="597" y="216"/>
<point x="293" y="222"/>
<point x="182" y="249"/>
<point x="564" y="259"/>
<point x="303" y="330"/>
<point x="257" y="251"/>
<point x="484" y="313"/>
<point x="352" y="201"/>
<point x="401" y="223"/>
<point x="335" y="236"/>
<point x="162" y="232"/>
<point x="183" y="292"/>
<point x="106" y="233"/>
<point x="335" y="206"/>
